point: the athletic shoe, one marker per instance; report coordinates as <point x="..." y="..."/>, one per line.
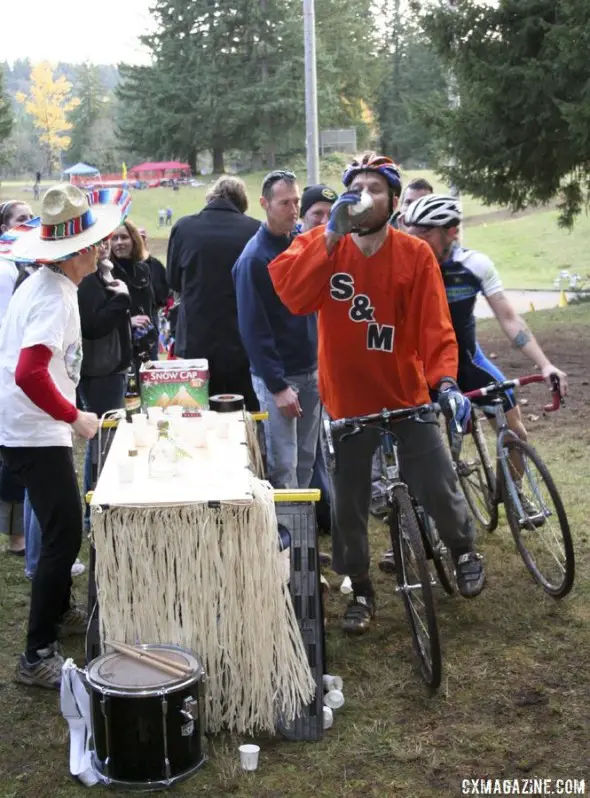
<point x="533" y="515"/>
<point x="387" y="562"/>
<point x="470" y="573"/>
<point x="44" y="672"/>
<point x="358" y="615"/>
<point x="74" y="622"/>
<point x="78" y="568"/>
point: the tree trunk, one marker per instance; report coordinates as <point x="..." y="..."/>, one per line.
<point x="218" y="161"/>
<point x="192" y="159"/>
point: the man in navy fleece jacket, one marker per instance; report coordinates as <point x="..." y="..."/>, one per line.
<point x="282" y="348"/>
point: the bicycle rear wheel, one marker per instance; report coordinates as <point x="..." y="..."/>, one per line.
<point x="476" y="476"/>
<point x="413" y="579"/>
<point x="537" y="518"/>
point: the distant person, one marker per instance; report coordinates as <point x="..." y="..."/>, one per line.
<point x="201" y="253"/>
<point x="161" y="217"/>
<point x="36" y="191"/>
<point x="282" y="347"/>
<point x="168" y="217"/>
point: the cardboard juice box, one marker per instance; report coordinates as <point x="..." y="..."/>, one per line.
<point x="175" y="383"/>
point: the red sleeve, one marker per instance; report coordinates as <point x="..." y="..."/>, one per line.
<point x="33" y="378"/>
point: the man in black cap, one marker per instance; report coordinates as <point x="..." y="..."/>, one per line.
<point x="316" y="202"/>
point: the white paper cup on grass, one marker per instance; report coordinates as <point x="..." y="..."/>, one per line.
<point x="249" y="756"/>
<point x="334" y="699"/>
<point x="332" y="682"/>
<point x="346" y="586"/>
<point x="328" y="717"/>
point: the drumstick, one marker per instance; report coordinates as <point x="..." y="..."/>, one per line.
<point x="173" y="669"/>
<point x="149" y="654"/>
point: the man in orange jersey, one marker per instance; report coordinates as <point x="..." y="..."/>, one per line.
<point x="385" y="340"/>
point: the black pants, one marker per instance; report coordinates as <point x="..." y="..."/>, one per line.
<point x="49" y="477"/>
<point x="235" y="380"/>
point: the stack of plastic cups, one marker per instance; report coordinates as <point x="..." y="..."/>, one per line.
<point x="333" y="697"/>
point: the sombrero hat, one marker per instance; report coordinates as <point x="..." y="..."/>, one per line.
<point x="71" y="221"/>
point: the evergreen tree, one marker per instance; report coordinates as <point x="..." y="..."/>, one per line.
<point x="521" y="132"/>
<point x="93" y="104"/>
<point x="412" y="90"/>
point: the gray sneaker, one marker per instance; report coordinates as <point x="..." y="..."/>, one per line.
<point x="45" y="672"/>
<point x="74" y="622"/>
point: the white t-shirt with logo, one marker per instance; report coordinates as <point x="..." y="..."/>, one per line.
<point x="43" y="311"/>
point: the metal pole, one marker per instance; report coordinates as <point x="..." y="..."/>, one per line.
<point x="311" y="98"/>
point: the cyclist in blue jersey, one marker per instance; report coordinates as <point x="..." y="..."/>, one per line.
<point x="435" y="219"/>
<point x="466" y="273"/>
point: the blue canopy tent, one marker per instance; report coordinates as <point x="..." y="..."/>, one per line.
<point x="81" y="170"/>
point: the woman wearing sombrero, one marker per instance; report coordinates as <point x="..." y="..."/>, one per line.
<point x="40" y="358"/>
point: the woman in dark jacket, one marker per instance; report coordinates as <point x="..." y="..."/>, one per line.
<point x="128" y="256"/>
<point x="106" y="344"/>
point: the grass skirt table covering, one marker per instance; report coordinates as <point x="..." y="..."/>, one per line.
<point x="193" y="560"/>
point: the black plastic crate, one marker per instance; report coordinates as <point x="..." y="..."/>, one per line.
<point x="306" y="594"/>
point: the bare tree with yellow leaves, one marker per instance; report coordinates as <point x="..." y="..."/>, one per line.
<point x="49" y="101"/>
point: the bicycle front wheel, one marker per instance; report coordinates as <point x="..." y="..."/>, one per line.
<point x="414" y="584"/>
<point x="476" y="476"/>
<point x="537" y="518"/>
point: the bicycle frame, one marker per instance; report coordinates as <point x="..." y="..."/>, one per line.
<point x="495" y="409"/>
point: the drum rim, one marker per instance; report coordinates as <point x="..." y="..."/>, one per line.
<point x="147" y="786"/>
<point x="171" y="687"/>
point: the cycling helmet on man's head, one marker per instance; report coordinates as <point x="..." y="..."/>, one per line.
<point x="433" y="210"/>
<point x="375" y="163"/>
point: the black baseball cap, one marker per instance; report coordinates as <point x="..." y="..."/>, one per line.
<point x="313" y="194"/>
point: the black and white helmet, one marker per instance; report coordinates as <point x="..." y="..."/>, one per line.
<point x="433" y="210"/>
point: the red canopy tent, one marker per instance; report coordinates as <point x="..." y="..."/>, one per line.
<point x="158" y="170"/>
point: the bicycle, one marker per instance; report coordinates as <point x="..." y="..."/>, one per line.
<point x="533" y="514"/>
<point x="414" y="541"/>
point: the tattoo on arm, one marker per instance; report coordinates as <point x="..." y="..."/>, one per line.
<point x="521" y="339"/>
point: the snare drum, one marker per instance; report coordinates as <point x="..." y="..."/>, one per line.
<point x="147" y="726"/>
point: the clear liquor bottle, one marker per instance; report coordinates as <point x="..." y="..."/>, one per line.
<point x="163" y="456"/>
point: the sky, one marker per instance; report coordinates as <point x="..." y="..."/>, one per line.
<point x="103" y="32"/>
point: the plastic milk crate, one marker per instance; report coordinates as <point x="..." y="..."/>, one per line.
<point x="299" y="519"/>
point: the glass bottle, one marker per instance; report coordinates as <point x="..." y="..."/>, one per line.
<point x="163" y="456"/>
<point x="132" y="395"/>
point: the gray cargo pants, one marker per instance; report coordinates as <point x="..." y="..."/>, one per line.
<point x="427" y="468"/>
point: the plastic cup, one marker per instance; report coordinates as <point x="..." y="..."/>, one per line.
<point x="126" y="469"/>
<point x="346" y="586"/>
<point x="332" y="682"/>
<point x="328" y="717"/>
<point x="334" y="699"/>
<point x="139" y="419"/>
<point x="249" y="756"/>
<point x="175" y="412"/>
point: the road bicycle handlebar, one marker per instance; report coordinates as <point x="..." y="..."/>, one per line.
<point x="499" y="387"/>
<point x="384" y="417"/>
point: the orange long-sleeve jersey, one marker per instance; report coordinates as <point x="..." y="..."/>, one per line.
<point x="384" y="328"/>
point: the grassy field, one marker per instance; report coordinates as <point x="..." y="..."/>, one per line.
<point x="528" y="250"/>
<point x="514" y="698"/>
